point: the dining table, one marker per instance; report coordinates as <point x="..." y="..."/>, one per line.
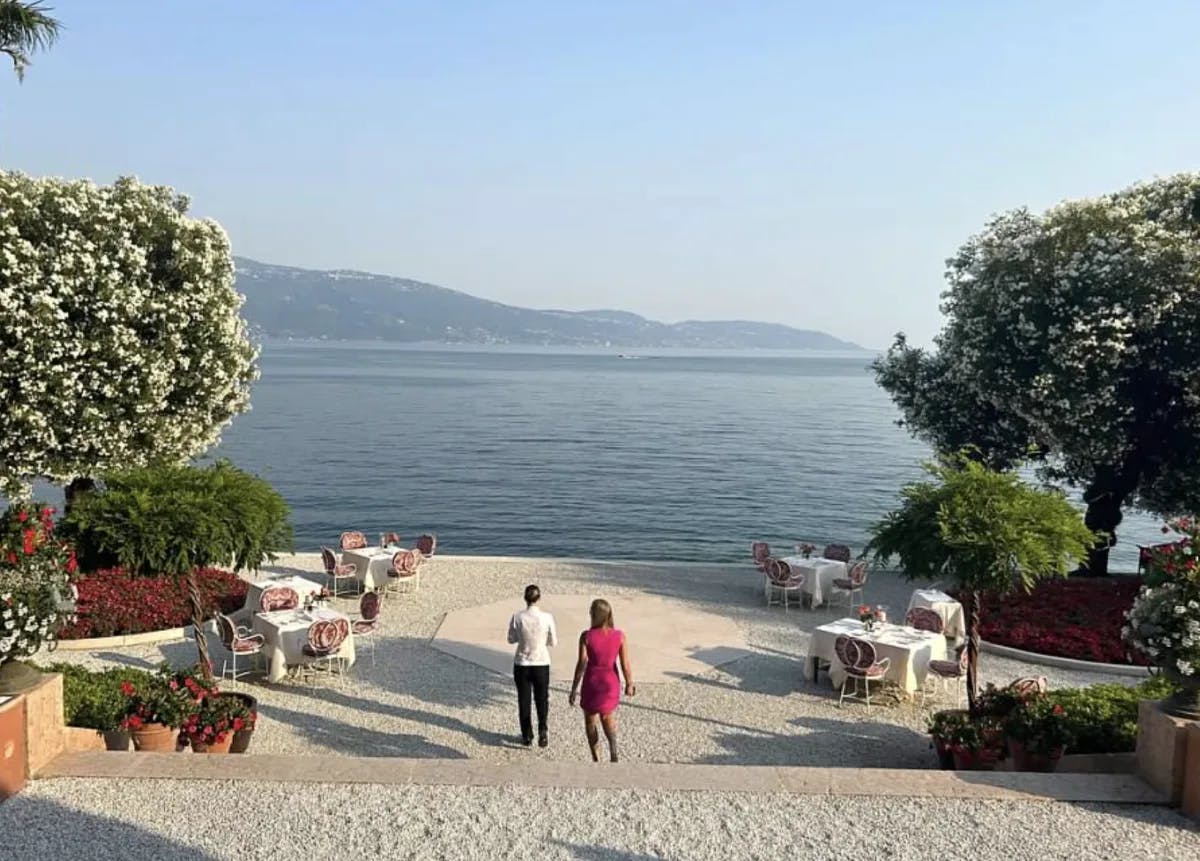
<point x="909" y="651"/>
<point x="371" y="564"/>
<point x="819" y="574"/>
<point x="950" y="611"/>
<point x="285" y="633"/>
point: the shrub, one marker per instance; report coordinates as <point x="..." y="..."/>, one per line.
<point x="168" y="519"/>
<point x="1103" y="718"/>
<point x="114" y="602"/>
<point x="93" y="698"/>
<point x="36" y="569"/>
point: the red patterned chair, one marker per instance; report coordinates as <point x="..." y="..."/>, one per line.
<point x="782" y="582"/>
<point x="391" y="539"/>
<point x="852" y="584"/>
<point x="325" y="638"/>
<point x="761" y="551"/>
<point x="837" y="552"/>
<point x="353" y="541"/>
<point x="924" y="619"/>
<point x="859" y="662"/>
<point x="278" y="598"/>
<point x="237" y="641"/>
<point x="338" y="572"/>
<point x="945" y="672"/>
<point x="427" y="544"/>
<point x="406" y="568"/>
<point x="1029" y="686"/>
<point x="367" y="623"/>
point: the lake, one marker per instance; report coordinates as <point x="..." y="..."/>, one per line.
<point x="671" y="455"/>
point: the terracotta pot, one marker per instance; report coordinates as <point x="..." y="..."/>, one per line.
<point x="241" y="738"/>
<point x="221" y="746"/>
<point x="1023" y="760"/>
<point x="116" y="739"/>
<point x="155" y="737"/>
<point x="982" y="760"/>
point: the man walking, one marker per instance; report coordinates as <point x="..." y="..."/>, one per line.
<point x="533" y="633"/>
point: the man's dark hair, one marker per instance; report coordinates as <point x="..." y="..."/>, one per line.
<point x="532" y="594"/>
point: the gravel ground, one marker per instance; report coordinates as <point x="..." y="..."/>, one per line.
<point x="419" y="702"/>
<point x="171" y="820"/>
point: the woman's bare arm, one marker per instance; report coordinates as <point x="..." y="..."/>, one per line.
<point x="580" y="666"/>
<point x="630" y="687"/>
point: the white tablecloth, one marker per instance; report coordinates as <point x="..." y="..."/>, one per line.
<point x="950" y="610"/>
<point x="303" y="586"/>
<point x="371" y="563"/>
<point x="819" y="574"/>
<point x="286" y="632"/>
<point x="910" y="650"/>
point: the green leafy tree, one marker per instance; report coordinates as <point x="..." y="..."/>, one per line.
<point x="983" y="531"/>
<point x="1072" y="334"/>
<point x="25" y="28"/>
<point x="121" y="341"/>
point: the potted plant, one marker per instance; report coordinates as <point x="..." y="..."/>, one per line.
<point x="1037" y="733"/>
<point x="211" y="726"/>
<point x="976" y="744"/>
<point x="941" y="727"/>
<point x="242" y="736"/>
<point x="153" y="711"/>
<point x="1164" y="622"/>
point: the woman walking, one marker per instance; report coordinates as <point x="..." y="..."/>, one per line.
<point x="600" y="648"/>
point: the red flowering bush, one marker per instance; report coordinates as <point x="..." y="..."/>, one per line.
<point x="36" y="570"/>
<point x="1074" y="618"/>
<point x="113" y="602"/>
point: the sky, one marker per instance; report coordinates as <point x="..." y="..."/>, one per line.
<point x="789" y="162"/>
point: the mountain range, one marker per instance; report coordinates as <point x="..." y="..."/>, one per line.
<point x="342" y="304"/>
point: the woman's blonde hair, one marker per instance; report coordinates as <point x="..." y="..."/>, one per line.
<point x="602" y="615"/>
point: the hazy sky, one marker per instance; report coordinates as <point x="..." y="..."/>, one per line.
<point x="775" y="161"/>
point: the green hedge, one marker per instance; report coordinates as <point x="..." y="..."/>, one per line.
<point x="93" y="698"/>
<point x="1104" y="718"/>
<point x="172" y="519"/>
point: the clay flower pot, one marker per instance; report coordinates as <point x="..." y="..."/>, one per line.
<point x="1023" y="760"/>
<point x="974" y="760"/>
<point x="241" y="738"/>
<point x="155" y="737"/>
<point x="221" y="746"/>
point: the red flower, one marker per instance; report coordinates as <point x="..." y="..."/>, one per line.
<point x="12" y="558"/>
<point x="238" y="723"/>
<point x="22" y="516"/>
<point x="127" y="688"/>
<point x="133" y="721"/>
<point x="72" y="564"/>
<point x="29" y="536"/>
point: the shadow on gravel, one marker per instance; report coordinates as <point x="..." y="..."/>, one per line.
<point x="601" y="853"/>
<point x="359" y="741"/>
<point x="37" y="828"/>
<point x="828" y="743"/>
<point x="772" y="674"/>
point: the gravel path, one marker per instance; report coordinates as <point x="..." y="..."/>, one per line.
<point x="189" y="821"/>
<point x="419" y="702"/>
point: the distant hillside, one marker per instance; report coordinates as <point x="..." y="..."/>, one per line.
<point x="282" y="301"/>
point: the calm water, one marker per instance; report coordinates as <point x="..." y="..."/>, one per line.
<point x="502" y="452"/>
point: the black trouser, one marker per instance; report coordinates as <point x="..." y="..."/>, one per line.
<point x="533" y="681"/>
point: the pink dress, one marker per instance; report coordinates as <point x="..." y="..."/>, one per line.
<point x="601" y="691"/>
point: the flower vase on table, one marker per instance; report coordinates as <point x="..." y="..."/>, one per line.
<point x="869" y="617"/>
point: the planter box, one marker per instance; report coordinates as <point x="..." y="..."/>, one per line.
<point x="44" y="730"/>
<point x="13" y="758"/>
<point x="1190" y="803"/>
<point x="1162" y="750"/>
<point x="80" y="738"/>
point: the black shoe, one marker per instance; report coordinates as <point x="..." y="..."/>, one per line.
<point x="527" y="740"/>
<point x="543" y="739"/>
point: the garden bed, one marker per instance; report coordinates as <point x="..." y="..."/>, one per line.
<point x="114" y="603"/>
<point x="1077" y="618"/>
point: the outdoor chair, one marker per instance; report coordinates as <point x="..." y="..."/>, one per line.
<point x="427" y="544"/>
<point x="406" y="568"/>
<point x="353" y="541"/>
<point x="924" y="619"/>
<point x="278" y="598"/>
<point x="945" y="672"/>
<point x="366" y="625"/>
<point x="782" y="582"/>
<point x="337" y="572"/>
<point x="238" y="640"/>
<point x="852" y="584"/>
<point x="859" y="662"/>
<point x="1029" y="686"/>
<point x="761" y="551"/>
<point x="325" y="638"/>
<point x="837" y="552"/>
<point x="391" y="539"/>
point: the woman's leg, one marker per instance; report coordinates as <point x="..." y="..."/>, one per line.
<point x="593" y="734"/>
<point x="609" y="722"/>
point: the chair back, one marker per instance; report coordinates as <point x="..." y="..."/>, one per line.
<point x="858" y="573"/>
<point x="279" y="598"/>
<point x="368" y="606"/>
<point x="328" y="559"/>
<point x="779" y="572"/>
<point x="839" y="552"/>
<point x="353" y="540"/>
<point x="322" y="635"/>
<point x="866" y="654"/>
<point x="1029" y="686"/>
<point x="924" y="619"/>
<point x="406" y="561"/>
<point x="427" y="544"/>
<point x="227" y="629"/>
<point x="390" y="538"/>
<point x="341" y="627"/>
<point x="846" y="651"/>
<point x="760" y="550"/>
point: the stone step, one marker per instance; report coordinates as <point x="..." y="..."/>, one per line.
<point x="910" y="783"/>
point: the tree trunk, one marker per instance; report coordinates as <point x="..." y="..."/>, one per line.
<point x="75" y="489"/>
<point x="972" y="609"/>
<point x="1103" y="515"/>
<point x="198" y="624"/>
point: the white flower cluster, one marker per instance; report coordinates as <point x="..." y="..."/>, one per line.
<point x="120" y="337"/>
<point x="24" y="628"/>
<point x="1164" y="624"/>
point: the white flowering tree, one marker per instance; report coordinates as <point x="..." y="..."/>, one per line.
<point x="120" y="338"/>
<point x="1071" y="338"/>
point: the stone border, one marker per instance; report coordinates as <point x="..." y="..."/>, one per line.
<point x="122" y="640"/>
<point x="901" y="783"/>
<point x="1064" y="663"/>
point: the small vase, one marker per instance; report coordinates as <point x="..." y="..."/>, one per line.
<point x="116" y="739"/>
<point x="1024" y="760"/>
<point x="221" y="746"/>
<point x="154" y="738"/>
